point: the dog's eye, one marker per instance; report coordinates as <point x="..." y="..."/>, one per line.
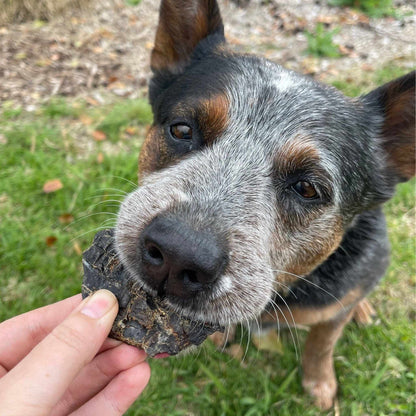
<point x="181" y="132"/>
<point x="305" y="190"/>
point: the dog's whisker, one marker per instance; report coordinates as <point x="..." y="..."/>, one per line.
<point x="248" y="339"/>
<point x="106" y="196"/>
<point x="102" y="191"/>
<point x="87" y="216"/>
<point x="314" y="285"/>
<point x="344" y="250"/>
<point x="93" y="230"/>
<point x="107" y="201"/>
<point x="128" y="181"/>
<point x="295" y="338"/>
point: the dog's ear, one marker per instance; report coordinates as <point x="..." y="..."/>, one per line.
<point x="182" y="25"/>
<point x="396" y="102"/>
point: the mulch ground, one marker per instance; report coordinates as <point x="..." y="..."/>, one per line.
<point x="104" y="52"/>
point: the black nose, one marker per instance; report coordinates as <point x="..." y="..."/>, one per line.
<point x="178" y="260"/>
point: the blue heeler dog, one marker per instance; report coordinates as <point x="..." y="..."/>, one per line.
<point x="261" y="189"/>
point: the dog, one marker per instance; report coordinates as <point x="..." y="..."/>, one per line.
<point x="261" y="189"/>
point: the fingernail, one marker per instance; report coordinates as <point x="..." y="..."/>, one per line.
<point x="99" y="304"/>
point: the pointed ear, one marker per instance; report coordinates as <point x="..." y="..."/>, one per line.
<point x="396" y="101"/>
<point x="182" y="25"/>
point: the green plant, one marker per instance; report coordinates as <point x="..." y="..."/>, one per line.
<point x="373" y="8"/>
<point x="133" y="2"/>
<point x="320" y="42"/>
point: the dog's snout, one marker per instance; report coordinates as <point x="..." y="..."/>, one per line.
<point x="178" y="260"/>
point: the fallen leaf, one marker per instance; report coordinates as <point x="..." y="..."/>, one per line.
<point x="51" y="240"/>
<point x="132" y="19"/>
<point x="43" y="62"/>
<point x="112" y="79"/>
<point x="328" y="19"/>
<point x="92" y="101"/>
<point x="99" y="135"/>
<point x="367" y="67"/>
<point x="345" y="50"/>
<point x="66" y="218"/>
<point x="100" y="158"/>
<point x="52" y="186"/>
<point x="117" y="84"/>
<point x="86" y="120"/>
<point x="20" y="56"/>
<point x="310" y="65"/>
<point x="131" y="130"/>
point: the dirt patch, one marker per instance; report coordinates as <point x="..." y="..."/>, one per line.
<point x="107" y="48"/>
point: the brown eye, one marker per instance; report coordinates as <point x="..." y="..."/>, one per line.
<point x="181" y="132"/>
<point x="305" y="190"/>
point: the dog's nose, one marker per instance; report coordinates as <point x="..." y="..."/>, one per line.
<point x="178" y="260"/>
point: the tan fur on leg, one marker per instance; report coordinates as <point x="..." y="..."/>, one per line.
<point x="318" y="365"/>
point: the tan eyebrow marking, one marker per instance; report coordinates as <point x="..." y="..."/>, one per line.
<point x="213" y="117"/>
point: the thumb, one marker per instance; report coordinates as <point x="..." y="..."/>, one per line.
<point x="42" y="377"/>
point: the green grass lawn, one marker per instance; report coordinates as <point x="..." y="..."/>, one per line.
<point x="42" y="236"/>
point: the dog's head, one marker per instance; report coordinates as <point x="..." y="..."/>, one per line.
<point x="250" y="174"/>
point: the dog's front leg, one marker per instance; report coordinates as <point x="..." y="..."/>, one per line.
<point x="318" y="365"/>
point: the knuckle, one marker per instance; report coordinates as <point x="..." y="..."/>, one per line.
<point x="70" y="337"/>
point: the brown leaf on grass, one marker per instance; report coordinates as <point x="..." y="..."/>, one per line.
<point x="66" y="218"/>
<point x="131" y="130"/>
<point x="100" y="158"/>
<point x="50" y="240"/>
<point x="99" y="135"/>
<point x="52" y="186"/>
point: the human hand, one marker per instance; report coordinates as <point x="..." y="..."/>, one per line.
<point x="55" y="364"/>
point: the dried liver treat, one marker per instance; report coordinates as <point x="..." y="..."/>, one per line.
<point x="143" y="320"/>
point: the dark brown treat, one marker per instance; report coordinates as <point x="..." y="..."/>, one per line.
<point x="143" y="321"/>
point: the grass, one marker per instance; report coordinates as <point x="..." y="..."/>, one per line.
<point x="375" y="365"/>
<point x="320" y="42"/>
<point x="372" y="8"/>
